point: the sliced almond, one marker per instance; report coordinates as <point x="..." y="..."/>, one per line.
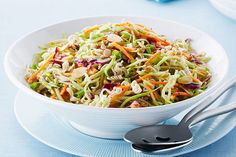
<point x="185" y="80"/>
<point x="79" y="72"/>
<point x="114" y="38"/>
<point x="107" y="53"/>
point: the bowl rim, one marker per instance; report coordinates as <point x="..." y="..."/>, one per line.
<point x="218" y="5"/>
<point x="227" y="1"/>
<point x="69" y="105"/>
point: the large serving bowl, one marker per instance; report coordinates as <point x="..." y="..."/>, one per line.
<point x="111" y="122"/>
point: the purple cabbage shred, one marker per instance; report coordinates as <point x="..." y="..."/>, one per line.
<point x="195" y="59"/>
<point x="192" y="86"/>
<point x="109" y="86"/>
<point x="188" y="40"/>
<point x="91" y="62"/>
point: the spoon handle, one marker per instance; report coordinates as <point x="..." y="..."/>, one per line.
<point x="208" y="101"/>
<point x="212" y="113"/>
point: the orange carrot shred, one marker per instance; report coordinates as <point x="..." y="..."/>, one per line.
<point x="180" y="94"/>
<point x="158" y="82"/>
<point x="114" y="102"/>
<point x="63" y="91"/>
<point x="87" y="31"/>
<point x="152" y="58"/>
<point x="130" y="49"/>
<point x="122" y="49"/>
<point x="143" y="77"/>
<point x="154" y="38"/>
<point x="154" y="93"/>
<point x="53" y="96"/>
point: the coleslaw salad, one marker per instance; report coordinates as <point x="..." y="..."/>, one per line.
<point x="119" y="65"/>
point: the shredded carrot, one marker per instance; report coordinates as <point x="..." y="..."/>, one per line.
<point x="143" y="77"/>
<point x="187" y="56"/>
<point x="180" y="94"/>
<point x="172" y="97"/>
<point x="201" y="71"/>
<point x="124" y="88"/>
<point x="157" y="83"/>
<point x="133" y="31"/>
<point x="33" y="77"/>
<point x="130" y="49"/>
<point x="152" y="58"/>
<point x="144" y="27"/>
<point x="138" y="24"/>
<point x="87" y="31"/>
<point x="64" y="94"/>
<point x="177" y="85"/>
<point x="162" y="83"/>
<point x="154" y="38"/>
<point x="114" y="102"/>
<point x="122" y="49"/>
<point x="155" y="95"/>
<point x="92" y="71"/>
<point x="53" y="96"/>
<point x="127" y="25"/>
<point x="63" y="90"/>
<point x="149" y="87"/>
<point x="124" y="24"/>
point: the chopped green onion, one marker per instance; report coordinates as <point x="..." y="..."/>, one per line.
<point x="97" y="36"/>
<point x="34" y="66"/>
<point x="149" y="48"/>
<point x="128" y="80"/>
<point x="125" y="35"/>
<point x="34" y="85"/>
<point x="79" y="93"/>
<point x="117" y="55"/>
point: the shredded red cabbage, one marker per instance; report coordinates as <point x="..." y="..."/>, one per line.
<point x="207" y="79"/>
<point x="188" y="40"/>
<point x="192" y="86"/>
<point x="83" y="61"/>
<point x="54" y="61"/>
<point x="195" y="59"/>
<point x="91" y="62"/>
<point x="109" y="86"/>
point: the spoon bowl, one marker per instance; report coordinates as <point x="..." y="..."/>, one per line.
<point x="161" y="134"/>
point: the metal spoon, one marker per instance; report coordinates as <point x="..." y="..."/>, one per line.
<point x="179" y="134"/>
<point x="192" y="121"/>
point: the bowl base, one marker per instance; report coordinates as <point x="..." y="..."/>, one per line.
<point x="96" y="133"/>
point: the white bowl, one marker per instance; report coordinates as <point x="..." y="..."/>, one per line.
<point x="111" y="122"/>
<point x="226" y="7"/>
<point x="231" y="4"/>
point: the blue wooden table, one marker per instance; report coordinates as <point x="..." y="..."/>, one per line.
<point x="20" y="17"/>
